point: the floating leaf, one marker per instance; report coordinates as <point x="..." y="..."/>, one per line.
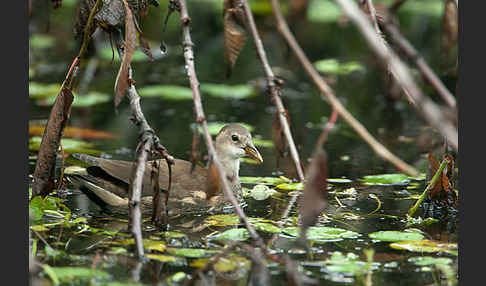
<point x="68" y="145"/>
<point x="431" y="8"/>
<point x="333" y="66"/>
<point x="161" y="257"/>
<point x="426" y="246"/>
<point x="192" y="252"/>
<point x="263" y="143"/>
<point x="223" y="220"/>
<point x="173" y="234"/>
<point x="224" y="264"/>
<point x="393" y="235"/>
<point x="290" y="186"/>
<point x="265" y="180"/>
<point x="90" y="99"/>
<point x="228" y="91"/>
<point x="266" y="227"/>
<point x="236" y="234"/>
<point x="323" y="11"/>
<point x="39" y="90"/>
<point x="41" y="41"/>
<point x="107" y="54"/>
<point x="261" y="192"/>
<point x="339" y="180"/>
<point x="322" y="233"/>
<point x="429" y="260"/>
<point x="67" y="274"/>
<point x="387" y="179"/>
<point x="168" y="92"/>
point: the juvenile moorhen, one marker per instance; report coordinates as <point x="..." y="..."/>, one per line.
<point x="106" y="181"/>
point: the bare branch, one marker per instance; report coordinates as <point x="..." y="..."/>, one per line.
<point x="328" y="93"/>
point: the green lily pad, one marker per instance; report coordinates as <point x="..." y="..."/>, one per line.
<point x="230" y="220"/>
<point x="261" y="192"/>
<point x="393" y="235"/>
<point x="161" y="257"/>
<point x="291" y="186"/>
<point x="68" y="145"/>
<point x="387" y="179"/>
<point x="41" y="41"/>
<point x="39" y="90"/>
<point x="90" y="99"/>
<point x="333" y="66"/>
<point x="265" y="180"/>
<point x="67" y="274"/>
<point x="106" y="54"/>
<point x="431" y="8"/>
<point x="322" y="233"/>
<point x="168" y="92"/>
<point x="429" y="260"/>
<point x="173" y="234"/>
<point x="224" y="264"/>
<point x="228" y="91"/>
<point x="192" y="252"/>
<point x="263" y="143"/>
<point x="236" y="234"/>
<point x="325" y="11"/>
<point x="426" y="246"/>
<point x="339" y="180"/>
<point x="266" y="227"/>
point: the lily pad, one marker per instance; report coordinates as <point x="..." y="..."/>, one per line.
<point x="322" y="233"/>
<point x="263" y="143"/>
<point x="291" y="186"/>
<point x="333" y="66"/>
<point x="228" y="91"/>
<point x="339" y="180"/>
<point x="236" y="234"/>
<point x="68" y="145"/>
<point x="192" y="252"/>
<point x="67" y="274"/>
<point x="266" y="227"/>
<point x="393" y="235"/>
<point x="41" y="41"/>
<point x="161" y="257"/>
<point x="224" y="264"/>
<point x="265" y="180"/>
<point x="426" y="246"/>
<point x="39" y="90"/>
<point x="90" y="99"/>
<point x="261" y="192"/>
<point x="429" y="260"/>
<point x="325" y="11"/>
<point x="386" y="179"/>
<point x="230" y="220"/>
<point x="168" y="92"/>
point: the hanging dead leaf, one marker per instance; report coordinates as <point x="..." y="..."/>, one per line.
<point x="121" y="81"/>
<point x="234" y="34"/>
<point x="450" y="27"/>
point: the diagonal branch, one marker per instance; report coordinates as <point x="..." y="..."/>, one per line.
<point x="425" y="107"/>
<point x="274" y="89"/>
<point x="328" y="93"/>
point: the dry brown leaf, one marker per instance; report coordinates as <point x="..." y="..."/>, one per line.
<point x="234" y="35"/>
<point x="121" y="81"/>
<point x="450" y="27"/>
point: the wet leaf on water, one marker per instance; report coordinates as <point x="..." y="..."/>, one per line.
<point x="426" y="246"/>
<point x="290" y="186"/>
<point x="167" y="92"/>
<point x="265" y="180"/>
<point x="41" y="41"/>
<point x="431" y="8"/>
<point x="39" y="90"/>
<point x="224" y="264"/>
<point x="348" y="264"/>
<point x="148" y="244"/>
<point x="173" y="234"/>
<point x="412" y="221"/>
<point x="68" y="145"/>
<point x="339" y="180"/>
<point x="90" y="99"/>
<point x="223" y="220"/>
<point x="333" y="66"/>
<point x="266" y="227"/>
<point x="325" y="11"/>
<point x="322" y="233"/>
<point x="239" y="91"/>
<point x="176" y="278"/>
<point x="70" y="131"/>
<point x="386" y="179"/>
<point x="235" y="234"/>
<point x="261" y="192"/>
<point x="192" y="252"/>
<point x="161" y="257"/>
<point x="263" y="143"/>
<point x="394" y="235"/>
<point x="67" y="274"/>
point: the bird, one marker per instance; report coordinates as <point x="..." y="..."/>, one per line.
<point x="106" y="181"/>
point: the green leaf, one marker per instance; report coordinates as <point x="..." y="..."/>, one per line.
<point x="386" y="179"/>
<point x="69" y="145"/>
<point x="429" y="260"/>
<point x="291" y="186"/>
<point x="192" y="252"/>
<point x="224" y="264"/>
<point x="223" y="220"/>
<point x="161" y="257"/>
<point x="236" y="234"/>
<point x="90" y="99"/>
<point x="41" y="41"/>
<point x="339" y="180"/>
<point x="325" y="11"/>
<point x="215" y="126"/>
<point x="39" y="90"/>
<point x="322" y="233"/>
<point x="261" y="192"/>
<point x="265" y="180"/>
<point x="393" y="235"/>
<point x="263" y="143"/>
<point x="168" y="92"/>
<point x="266" y="227"/>
<point x="240" y="91"/>
<point x="426" y="246"/>
<point x="67" y="274"/>
<point x="333" y="66"/>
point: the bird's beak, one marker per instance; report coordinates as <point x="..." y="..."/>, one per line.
<point x="253" y="153"/>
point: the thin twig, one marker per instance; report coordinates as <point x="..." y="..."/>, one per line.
<point x="201" y="119"/>
<point x="328" y="93"/>
<point x="425" y="107"/>
<point x="432" y="182"/>
<point x="274" y="90"/>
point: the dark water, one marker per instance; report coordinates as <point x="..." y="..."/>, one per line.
<point x="363" y="93"/>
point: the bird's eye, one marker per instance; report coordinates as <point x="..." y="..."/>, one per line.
<point x="234" y="138"/>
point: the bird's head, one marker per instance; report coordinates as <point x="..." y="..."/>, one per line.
<point x="234" y="141"/>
